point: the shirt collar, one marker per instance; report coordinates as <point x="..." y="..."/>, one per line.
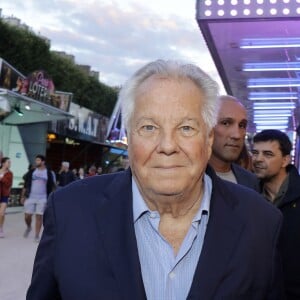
<point x="140" y="206"/>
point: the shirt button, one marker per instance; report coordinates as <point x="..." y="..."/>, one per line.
<point x="172" y="275"/>
<point x="152" y="215"/>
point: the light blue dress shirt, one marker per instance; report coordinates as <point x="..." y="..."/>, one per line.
<point x="166" y="276"/>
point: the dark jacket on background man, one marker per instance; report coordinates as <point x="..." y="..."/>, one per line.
<point x="290" y="208"/>
<point x="28" y="181"/>
<point x="245" y="177"/>
<point x="65" y="177"/>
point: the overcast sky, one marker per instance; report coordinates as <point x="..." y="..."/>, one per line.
<point x="115" y="37"/>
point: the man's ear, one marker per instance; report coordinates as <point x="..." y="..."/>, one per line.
<point x="286" y="160"/>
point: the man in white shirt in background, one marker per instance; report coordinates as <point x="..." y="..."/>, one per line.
<point x="38" y="185"/>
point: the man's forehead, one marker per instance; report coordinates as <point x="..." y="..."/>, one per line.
<point x="230" y="108"/>
<point x="266" y="145"/>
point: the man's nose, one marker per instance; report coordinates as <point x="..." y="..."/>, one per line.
<point x="237" y="132"/>
<point x="167" y="142"/>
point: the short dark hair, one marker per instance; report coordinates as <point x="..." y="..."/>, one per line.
<point x="285" y="144"/>
<point x="3" y="160"/>
<point x="41" y="157"/>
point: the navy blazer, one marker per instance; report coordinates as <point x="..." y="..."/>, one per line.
<point x="245" y="177"/>
<point x="89" y="251"/>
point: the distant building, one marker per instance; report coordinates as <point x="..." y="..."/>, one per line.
<point x="13" y="21"/>
<point x="65" y="55"/>
<point x="95" y="74"/>
<point x="86" y="69"/>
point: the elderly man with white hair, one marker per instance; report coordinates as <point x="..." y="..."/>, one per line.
<point x="167" y="227"/>
<point x="65" y="175"/>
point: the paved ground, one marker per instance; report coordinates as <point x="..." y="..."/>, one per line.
<point x="16" y="257"/>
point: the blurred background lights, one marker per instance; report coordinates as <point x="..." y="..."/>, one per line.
<point x="247" y="2"/>
<point x="260" y="1"/>
<point x="234" y="2"/>
<point x="286" y="1"/>
<point x="246" y="12"/>
<point x="233" y="12"/>
<point x="273" y="1"/>
<point x="273" y="11"/>
<point x="298" y="10"/>
<point x="259" y="11"/>
<point x="285" y="11"/>
<point x="208" y="13"/>
<point x="221" y="12"/>
<point x="221" y="2"/>
<point x="207" y="2"/>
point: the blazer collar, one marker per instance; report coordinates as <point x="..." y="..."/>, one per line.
<point x="223" y="232"/>
<point x="116" y="227"/>
<point x="222" y="235"/>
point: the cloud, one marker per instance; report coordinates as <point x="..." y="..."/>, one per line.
<point x="117" y="37"/>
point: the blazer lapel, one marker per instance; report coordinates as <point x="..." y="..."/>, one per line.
<point x="116" y="227"/>
<point x="222" y="235"/>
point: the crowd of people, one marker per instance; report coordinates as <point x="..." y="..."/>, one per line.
<point x="196" y="215"/>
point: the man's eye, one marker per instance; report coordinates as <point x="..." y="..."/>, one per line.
<point x="148" y="128"/>
<point x="225" y="123"/>
<point x="187" y="130"/>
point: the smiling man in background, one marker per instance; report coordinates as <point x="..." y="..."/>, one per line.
<point x="280" y="183"/>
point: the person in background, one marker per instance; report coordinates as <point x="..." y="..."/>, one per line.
<point x="245" y="159"/>
<point x="92" y="171"/>
<point x="229" y="140"/>
<point x="99" y="170"/>
<point x="75" y="172"/>
<point x="38" y="185"/>
<point x="81" y="173"/>
<point x="6" y="181"/>
<point x="280" y="185"/>
<point x="167" y="227"/>
<point x="65" y="175"/>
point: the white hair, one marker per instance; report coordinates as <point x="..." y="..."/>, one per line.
<point x="171" y="69"/>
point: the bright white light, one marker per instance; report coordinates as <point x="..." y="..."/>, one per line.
<point x="278" y="66"/>
<point x="247" y="2"/>
<point x="279" y="127"/>
<point x="221" y="12"/>
<point x="273" y="11"/>
<point x="260" y="1"/>
<point x="259" y="11"/>
<point x="207" y="13"/>
<point x="221" y="2"/>
<point x="234" y="2"/>
<point x="286" y="11"/>
<point x="207" y="2"/>
<point x="298" y="1"/>
<point x="298" y="10"/>
<point x="260" y="43"/>
<point x="272" y="122"/>
<point x="273" y="112"/>
<point x="270" y="117"/>
<point x="273" y="1"/>
<point x="246" y="12"/>
<point x="286" y="1"/>
<point x="233" y="12"/>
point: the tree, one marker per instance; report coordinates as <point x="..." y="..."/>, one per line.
<point x="28" y="52"/>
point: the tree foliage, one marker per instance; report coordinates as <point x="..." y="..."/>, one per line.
<point x="28" y="52"/>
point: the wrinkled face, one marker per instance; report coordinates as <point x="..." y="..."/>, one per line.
<point x="168" y="144"/>
<point x="230" y="131"/>
<point x="268" y="160"/>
